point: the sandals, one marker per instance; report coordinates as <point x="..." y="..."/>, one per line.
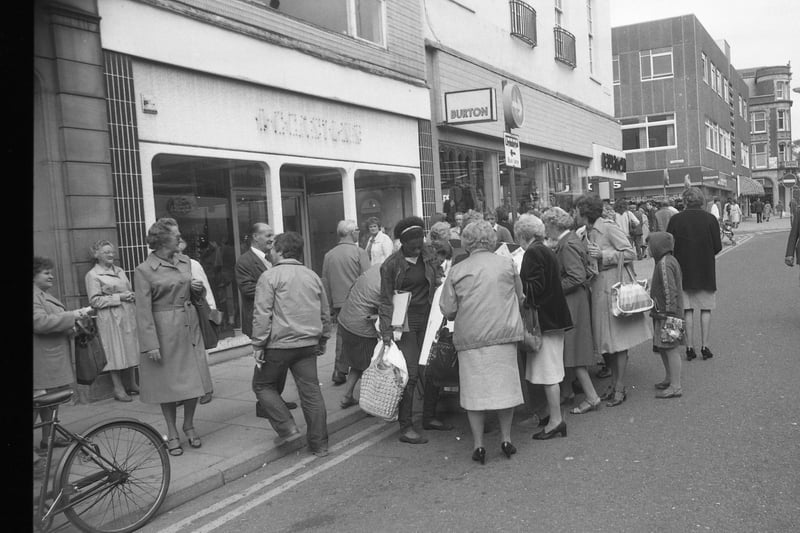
<point x="608" y="394"/>
<point x="618" y="398"/>
<point x="175" y="450"/>
<point x="191" y="436"/>
<point x="585" y="407"/>
<point x="662" y="385"/>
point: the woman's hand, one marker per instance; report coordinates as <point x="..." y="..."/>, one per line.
<point x="593" y="250"/>
<point x="197" y="285"/>
<point x="127" y="296"/>
<point x="154" y="355"/>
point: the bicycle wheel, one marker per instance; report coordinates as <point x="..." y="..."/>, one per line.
<point x="122" y="487"/>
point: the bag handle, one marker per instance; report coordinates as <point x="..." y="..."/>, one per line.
<point x="623" y="266"/>
<point x="440" y="328"/>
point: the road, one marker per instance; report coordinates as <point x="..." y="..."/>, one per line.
<point x="724" y="457"/>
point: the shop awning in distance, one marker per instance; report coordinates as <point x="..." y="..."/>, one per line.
<point x="750" y="187"/>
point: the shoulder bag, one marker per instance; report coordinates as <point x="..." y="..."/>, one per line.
<point x="90" y="357"/>
<point x="442" y="365"/>
<point x="629" y="297"/>
<point x="209" y="320"/>
<point x="532" y="341"/>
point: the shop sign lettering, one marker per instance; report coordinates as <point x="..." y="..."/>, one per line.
<point x="612" y="162"/>
<point x="306" y="127"/>
<point x="469" y="107"/>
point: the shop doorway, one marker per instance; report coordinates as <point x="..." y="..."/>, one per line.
<point x="312" y="206"/>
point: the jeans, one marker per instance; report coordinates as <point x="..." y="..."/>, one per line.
<point x="430" y="397"/>
<point x="303" y="364"/>
<point x="339" y="366"/>
<point x="410" y="344"/>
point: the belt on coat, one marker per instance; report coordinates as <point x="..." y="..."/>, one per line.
<point x="170" y="307"/>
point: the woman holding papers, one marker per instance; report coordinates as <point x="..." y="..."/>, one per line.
<point x="409" y="278"/>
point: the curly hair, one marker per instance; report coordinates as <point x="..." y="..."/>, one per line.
<point x="95" y="248"/>
<point x="159" y="232"/>
<point x="479" y="236"/>
<point x="440" y="231"/>
<point x="290" y="244"/>
<point x="40" y="264"/>
<point x="557" y="218"/>
<point x="529" y="227"/>
<point x="409" y="228"/>
<point x="590" y="206"/>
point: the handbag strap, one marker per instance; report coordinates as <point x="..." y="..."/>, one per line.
<point x="623" y="266"/>
<point x="440" y="328"/>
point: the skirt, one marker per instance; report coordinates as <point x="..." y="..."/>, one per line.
<point x="356" y="350"/>
<point x="699" y="299"/>
<point x="578" y="343"/>
<point x="489" y="377"/>
<point x="546" y="367"/>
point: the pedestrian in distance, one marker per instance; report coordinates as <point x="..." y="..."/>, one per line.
<point x="793" y="244"/>
<point x="667" y="294"/>
<point x="482" y="295"/>
<point x="608" y="245"/>
<point x="503" y="234"/>
<point x="291" y="327"/>
<point x="736" y="213"/>
<point x="758" y="208"/>
<point x="576" y="278"/>
<point x="249" y="267"/>
<point x="378" y="245"/>
<point x="767" y="211"/>
<point x="173" y="368"/>
<point x="413" y="268"/>
<point x="341" y="267"/>
<point x="53" y="326"/>
<point x="111" y="296"/>
<point x="541" y="284"/>
<point x="697" y="242"/>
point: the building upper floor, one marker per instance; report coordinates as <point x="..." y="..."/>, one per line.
<point x="563" y="46"/>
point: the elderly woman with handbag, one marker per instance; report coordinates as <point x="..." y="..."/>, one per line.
<point x="541" y="282"/>
<point x="482" y="294"/>
<point x="575" y="278"/>
<point x="607" y="245"/>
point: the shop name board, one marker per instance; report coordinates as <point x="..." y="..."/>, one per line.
<point x="612" y="162"/>
<point x="468" y="107"/>
<point x="312" y="128"/>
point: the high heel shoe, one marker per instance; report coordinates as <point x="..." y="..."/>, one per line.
<point x="545" y="435"/>
<point x="479" y="455"/>
<point x="508" y="448"/>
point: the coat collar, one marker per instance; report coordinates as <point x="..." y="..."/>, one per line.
<point x="155" y="262"/>
<point x="45" y="296"/>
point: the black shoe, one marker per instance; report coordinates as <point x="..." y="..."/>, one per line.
<point x="508" y="449"/>
<point x="290" y="405"/>
<point x="436" y="425"/>
<point x="338" y="378"/>
<point x="58" y="442"/>
<point x="479" y="455"/>
<point x="545" y="435"/>
<point x="544" y="421"/>
<point x="690" y="354"/>
<point x="706" y="353"/>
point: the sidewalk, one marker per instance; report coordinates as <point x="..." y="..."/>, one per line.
<point x="235" y="441"/>
<point x="750" y="225"/>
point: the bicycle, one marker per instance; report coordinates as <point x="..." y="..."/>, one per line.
<point x="111" y="479"/>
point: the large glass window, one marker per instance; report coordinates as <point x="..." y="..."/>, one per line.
<point x="656" y="132"/>
<point x="385" y="196"/>
<point x="656" y="64"/>
<point x="214" y="201"/>
<point x="461" y="171"/>
<point x="704" y="66"/>
<point x="358" y="18"/>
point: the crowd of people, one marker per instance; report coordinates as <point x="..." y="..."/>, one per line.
<point x="565" y="267"/>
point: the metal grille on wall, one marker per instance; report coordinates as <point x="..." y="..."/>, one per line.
<point x="426" y="170"/>
<point x="125" y="167"/>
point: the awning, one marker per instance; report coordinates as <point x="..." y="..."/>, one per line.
<point x="750" y="187"/>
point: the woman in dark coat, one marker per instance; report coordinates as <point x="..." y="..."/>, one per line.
<point x="541" y="283"/>
<point x="575" y="279"/>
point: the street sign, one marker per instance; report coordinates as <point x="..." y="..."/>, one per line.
<point x="513" y="107"/>
<point x="513" y="157"/>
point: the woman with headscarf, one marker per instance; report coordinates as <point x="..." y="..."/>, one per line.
<point x="607" y="245"/>
<point x="413" y="268"/>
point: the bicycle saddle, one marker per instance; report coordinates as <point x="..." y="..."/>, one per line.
<point x="52" y="398"/>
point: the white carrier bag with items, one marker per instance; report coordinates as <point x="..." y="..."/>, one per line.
<point x="629" y="297"/>
<point x="383" y="382"/>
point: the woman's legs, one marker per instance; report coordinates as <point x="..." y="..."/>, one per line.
<point x="132" y="387"/>
<point x="553" y="395"/>
<point x="582" y="374"/>
<point x="673" y="358"/>
<point x="476" y="426"/>
<point x="189" y="407"/>
<point x="567" y="393"/>
<point x="619" y="363"/>
<point x="505" y="416"/>
<point x="350" y="384"/>
<point x="170" y="416"/>
<point x="665" y="361"/>
<point x="119" y="388"/>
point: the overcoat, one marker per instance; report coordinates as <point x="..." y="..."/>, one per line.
<point x="116" y="320"/>
<point x="52" y="324"/>
<point x="697" y="242"/>
<point x="249" y="268"/>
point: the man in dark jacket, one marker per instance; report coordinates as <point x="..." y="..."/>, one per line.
<point x="697" y="242"/>
<point x="793" y="244"/>
<point x="758" y="209"/>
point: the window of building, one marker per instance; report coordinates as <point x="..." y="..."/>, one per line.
<point x="615" y="69"/>
<point x="724" y="143"/>
<point x="720" y="85"/>
<point x="704" y="66"/>
<point x="656" y="64"/>
<point x="759" y="155"/>
<point x="781" y="151"/>
<point x="782" y="90"/>
<point x="745" y="155"/>
<point x="744" y="107"/>
<point x="363" y="19"/>
<point x="741" y="108"/>
<point x="591" y="35"/>
<point x="783" y="120"/>
<point x="656" y="132"/>
<point x="758" y="122"/>
<point x="711" y="136"/>
<point x="725" y="91"/>
<point x="559" y="8"/>
<point x="713" y="71"/>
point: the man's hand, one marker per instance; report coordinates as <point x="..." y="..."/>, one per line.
<point x="397" y="334"/>
<point x="154" y="355"/>
<point x="789" y="260"/>
<point x="323" y="343"/>
<point x="258" y="355"/>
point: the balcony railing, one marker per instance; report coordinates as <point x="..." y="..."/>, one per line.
<point x="523" y="21"/>
<point x="565" y="46"/>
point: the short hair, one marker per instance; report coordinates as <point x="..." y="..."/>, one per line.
<point x="40" y="264"/>
<point x="478" y="235"/>
<point x="472" y="216"/>
<point x="443" y="248"/>
<point x="437" y="217"/>
<point x="373" y="221"/>
<point x="256" y="228"/>
<point x="557" y="218"/>
<point x="159" y="232"/>
<point x="501" y="212"/>
<point x="620" y="205"/>
<point x="95" y="248"/>
<point x="693" y="197"/>
<point x="590" y="206"/>
<point x="529" y="227"/>
<point x="458" y="213"/>
<point x="440" y="231"/>
<point x="289" y="244"/>
<point x="409" y="228"/>
<point x="489" y="214"/>
<point x="346" y="227"/>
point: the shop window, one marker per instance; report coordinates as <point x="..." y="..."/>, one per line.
<point x="541" y="184"/>
<point x="358" y="18"/>
<point x="214" y="201"/>
<point x="386" y="196"/>
<point x="461" y="171"/>
<point x="656" y="64"/>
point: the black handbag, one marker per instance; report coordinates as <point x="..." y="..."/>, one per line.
<point x="532" y="342"/>
<point x="90" y="357"/>
<point x="442" y="365"/>
<point x="208" y="318"/>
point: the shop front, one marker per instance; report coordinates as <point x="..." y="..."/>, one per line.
<point x="220" y="155"/>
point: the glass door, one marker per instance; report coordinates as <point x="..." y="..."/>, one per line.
<point x="294" y="218"/>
